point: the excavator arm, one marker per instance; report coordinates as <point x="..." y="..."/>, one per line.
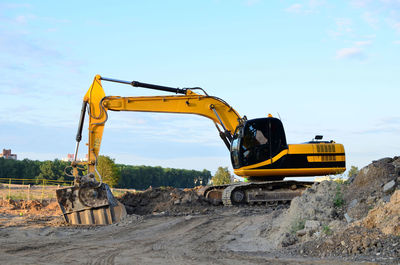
<point x="188" y="102"/>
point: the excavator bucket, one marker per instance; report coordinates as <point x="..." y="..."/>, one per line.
<point x="90" y="205"/>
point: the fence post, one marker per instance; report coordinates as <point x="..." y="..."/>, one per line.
<point x="9" y="189"/>
<point x="41" y="197"/>
<point x="29" y="192"/>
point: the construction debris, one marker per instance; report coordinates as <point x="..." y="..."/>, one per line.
<point x="165" y="201"/>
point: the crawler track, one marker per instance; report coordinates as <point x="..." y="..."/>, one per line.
<point x="268" y="192"/>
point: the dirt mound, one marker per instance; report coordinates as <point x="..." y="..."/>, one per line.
<point x="317" y="203"/>
<point x="360" y="217"/>
<point x="375" y="182"/>
<point x="34" y="207"/>
<point x="355" y="241"/>
<point x="165" y="200"/>
<point x="315" y="212"/>
<point x="385" y="217"/>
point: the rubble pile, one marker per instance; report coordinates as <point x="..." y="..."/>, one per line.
<point x="374" y="184"/>
<point x="354" y="241"/>
<point x="360" y="217"/>
<point x="165" y="201"/>
<point x="317" y="212"/>
<point x="385" y="217"/>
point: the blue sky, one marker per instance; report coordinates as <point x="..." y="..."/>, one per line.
<point x="325" y="67"/>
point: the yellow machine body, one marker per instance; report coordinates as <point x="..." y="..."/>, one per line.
<point x="258" y="151"/>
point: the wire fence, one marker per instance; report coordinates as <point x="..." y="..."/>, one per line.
<point x="38" y="189"/>
<point x="30" y="189"/>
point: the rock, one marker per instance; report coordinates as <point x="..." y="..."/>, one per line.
<point x="187" y="218"/>
<point x="386" y="198"/>
<point x="301" y="232"/>
<point x="396" y="162"/>
<point x="186" y="198"/>
<point x="389" y="187"/>
<point x="366" y="243"/>
<point x="352" y="203"/>
<point x="311" y="225"/>
<point x="384" y="160"/>
<point x="288" y="240"/>
<point x="348" y="218"/>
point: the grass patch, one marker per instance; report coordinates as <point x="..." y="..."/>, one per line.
<point x="327" y="230"/>
<point x="15" y="197"/>
<point x="338" y="201"/>
<point x="297" y="225"/>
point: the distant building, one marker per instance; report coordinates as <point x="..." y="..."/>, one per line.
<point x="71" y="157"/>
<point x="7" y="154"/>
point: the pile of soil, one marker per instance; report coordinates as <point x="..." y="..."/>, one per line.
<point x="370" y="187"/>
<point x="385" y="217"/>
<point x="168" y="201"/>
<point x="310" y="215"/>
<point x="354" y="241"/>
<point x="318" y="203"/>
<point x="34" y="207"/>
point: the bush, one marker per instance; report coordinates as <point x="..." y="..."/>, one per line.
<point x="338" y="201"/>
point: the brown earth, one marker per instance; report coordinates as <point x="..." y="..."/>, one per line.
<point x="331" y="223"/>
<point x="167" y="201"/>
<point x="385" y="217"/>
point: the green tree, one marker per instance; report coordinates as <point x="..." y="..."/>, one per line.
<point x="353" y="172"/>
<point x="222" y="176"/>
<point x="108" y="170"/>
<point x="53" y="170"/>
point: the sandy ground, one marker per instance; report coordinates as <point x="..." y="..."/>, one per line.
<point x="225" y="236"/>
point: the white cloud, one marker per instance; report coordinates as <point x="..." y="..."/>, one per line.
<point x="23" y="19"/>
<point x="343" y="23"/>
<point x="344" y="26"/>
<point x="310" y="7"/>
<point x="188" y="162"/>
<point x="360" y="3"/>
<point x="315" y="3"/>
<point x="351" y="53"/>
<point x="397" y="42"/>
<point x="295" y="8"/>
<point x="371" y="19"/>
<point x="396" y="26"/>
<point x="391" y="3"/>
<point x="252" y="2"/>
<point x="14" y="5"/>
<point x="363" y="43"/>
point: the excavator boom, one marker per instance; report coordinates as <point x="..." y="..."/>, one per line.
<point x="189" y="102"/>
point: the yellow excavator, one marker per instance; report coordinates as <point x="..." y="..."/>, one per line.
<point x="258" y="148"/>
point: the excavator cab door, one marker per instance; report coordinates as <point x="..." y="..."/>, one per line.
<point x="256" y="141"/>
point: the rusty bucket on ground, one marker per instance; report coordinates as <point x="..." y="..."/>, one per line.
<point x="90" y="204"/>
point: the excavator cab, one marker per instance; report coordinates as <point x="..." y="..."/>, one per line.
<point x="256" y="141"/>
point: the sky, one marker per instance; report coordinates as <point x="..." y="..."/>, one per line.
<point x="323" y="67"/>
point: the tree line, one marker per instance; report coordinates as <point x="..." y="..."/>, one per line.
<point x="33" y="169"/>
<point x="141" y="177"/>
<point x="116" y="175"/>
